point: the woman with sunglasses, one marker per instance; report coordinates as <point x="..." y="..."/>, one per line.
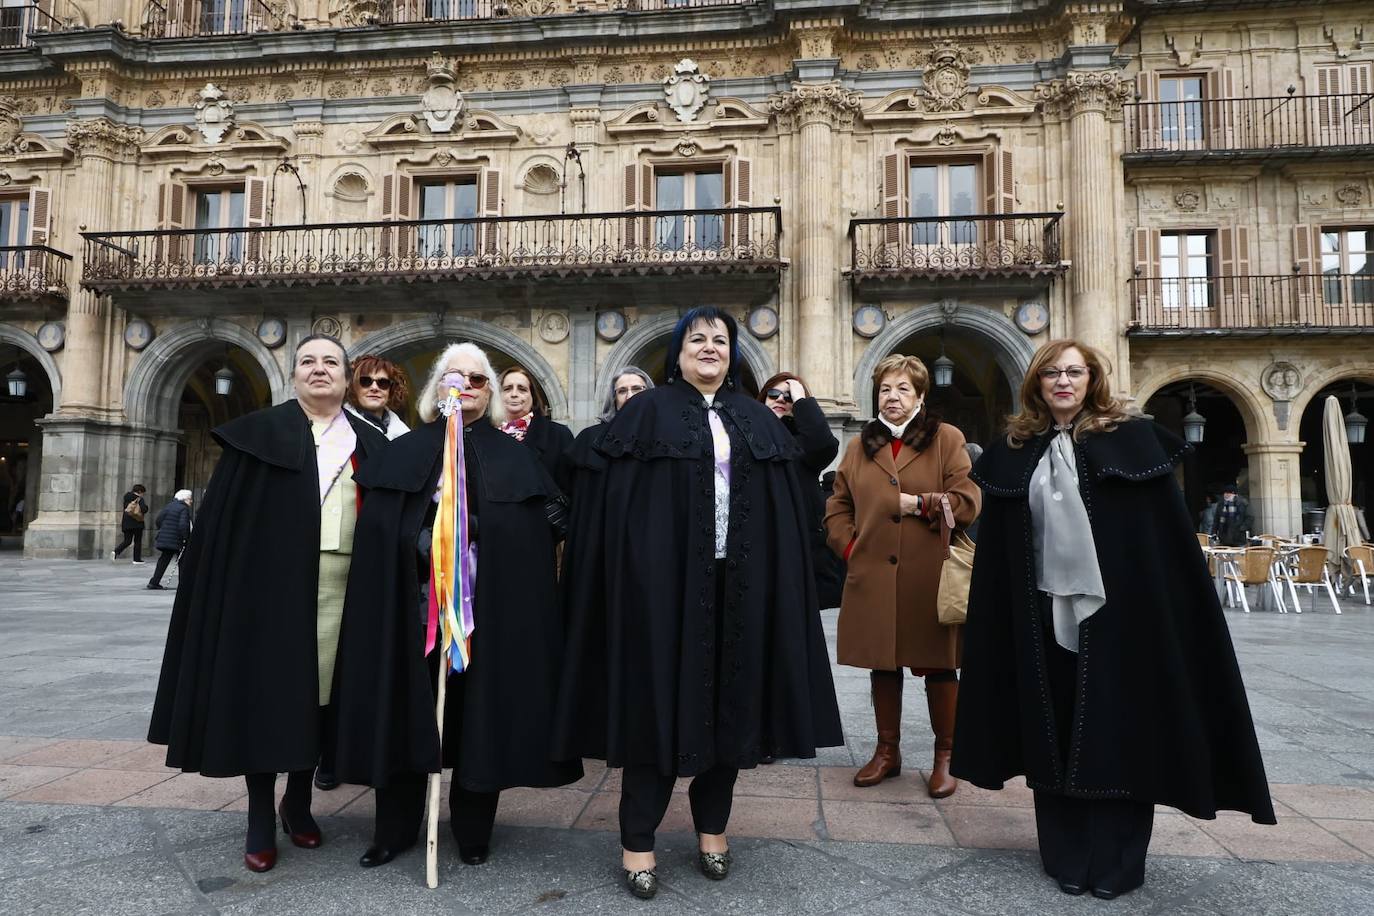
<point x="379" y="393"/>
<point x="1097" y="662"/>
<point x="498" y="712"/>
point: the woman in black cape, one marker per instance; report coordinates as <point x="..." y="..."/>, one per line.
<point x="498" y="712"/>
<point x="253" y="630"/>
<point x="1097" y="661"/>
<point x="704" y="651"/>
<point x="528" y="421"/>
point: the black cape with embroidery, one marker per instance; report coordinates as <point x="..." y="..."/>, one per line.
<point x="239" y="690"/>
<point x="639" y="683"/>
<point x="1161" y="714"/>
<point x="384" y="698"/>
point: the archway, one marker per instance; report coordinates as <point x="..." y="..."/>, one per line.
<point x="204" y="405"/>
<point x="646" y="346"/>
<point x="26" y="394"/>
<point x="1355" y="391"/>
<point x="1220" y="458"/>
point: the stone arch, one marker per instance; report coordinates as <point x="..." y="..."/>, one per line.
<point x="1240" y="392"/>
<point x="649" y="330"/>
<point x="1313" y="386"/>
<point x="29" y="344"/>
<point x="1011" y="349"/>
<point x="153" y="392"/>
<point x="425" y="332"/>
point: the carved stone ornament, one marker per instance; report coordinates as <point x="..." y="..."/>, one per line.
<point x="327" y="325"/>
<point x="101" y="136"/>
<point x="214" y="114"/>
<point x="554" y="327"/>
<point x="443" y="103"/>
<point x="807" y="103"/>
<point x="686" y="89"/>
<point x="1188" y="199"/>
<point x="1350" y="194"/>
<point x="1281" y="381"/>
<point x="1085" y="89"/>
<point x="351" y="13"/>
<point x="947" y="135"/>
<point x="11" y="125"/>
<point x="946" y="79"/>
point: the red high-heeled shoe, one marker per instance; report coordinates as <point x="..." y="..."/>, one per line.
<point x="260" y="861"/>
<point x="311" y="840"/>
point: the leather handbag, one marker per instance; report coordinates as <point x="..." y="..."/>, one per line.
<point x="956" y="572"/>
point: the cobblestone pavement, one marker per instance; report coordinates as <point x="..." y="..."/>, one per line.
<point x="92" y="822"/>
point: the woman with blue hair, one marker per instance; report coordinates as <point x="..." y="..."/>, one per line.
<point x="703" y="652"/>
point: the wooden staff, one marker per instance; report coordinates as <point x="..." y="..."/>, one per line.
<point x="432" y="840"/>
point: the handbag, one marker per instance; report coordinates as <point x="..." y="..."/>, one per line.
<point x="134" y="510"/>
<point x="956" y="572"/>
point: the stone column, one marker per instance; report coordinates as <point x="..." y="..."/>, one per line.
<point x="1276" y="487"/>
<point x="815" y="112"/>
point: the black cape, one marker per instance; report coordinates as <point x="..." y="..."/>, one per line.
<point x="239" y="690"/>
<point x="818" y="447"/>
<point x="1161" y="714"/>
<point x="639" y="684"/>
<point x="551" y="442"/>
<point x="383" y="689"/>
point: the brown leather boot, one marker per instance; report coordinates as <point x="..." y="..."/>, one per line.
<point x="887" y="710"/>
<point x="941" y="698"/>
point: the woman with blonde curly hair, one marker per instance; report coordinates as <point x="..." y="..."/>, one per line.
<point x="1097" y="662"/>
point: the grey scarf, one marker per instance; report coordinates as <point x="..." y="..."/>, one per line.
<point x="1065" y="556"/>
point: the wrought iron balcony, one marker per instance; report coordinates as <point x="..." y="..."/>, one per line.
<point x="400" y="12"/>
<point x="1253" y="305"/>
<point x="1292" y="125"/>
<point x="925" y="249"/>
<point x="733" y="241"/>
<point x="195" y="18"/>
<point x="18" y="23"/>
<point x="33" y="280"/>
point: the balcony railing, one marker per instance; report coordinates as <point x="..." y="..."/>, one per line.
<point x="399" y="12"/>
<point x="1270" y="124"/>
<point x="192" y="18"/>
<point x="33" y="272"/>
<point x="1024" y="244"/>
<point x="18" y="23"/>
<point x="728" y="240"/>
<point x="1280" y="302"/>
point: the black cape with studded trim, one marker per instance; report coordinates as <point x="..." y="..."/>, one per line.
<point x="1160" y="711"/>
<point x="639" y="681"/>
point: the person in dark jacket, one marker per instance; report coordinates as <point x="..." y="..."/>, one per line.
<point x="173" y="531"/>
<point x="1231" y="519"/>
<point x="131" y="522"/>
<point x="528" y="421"/>
<point x="790" y="400"/>
<point x="1097" y="662"/>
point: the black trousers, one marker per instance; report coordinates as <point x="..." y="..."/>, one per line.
<point x="164" y="559"/>
<point x="401" y="808"/>
<point x="1094" y="843"/>
<point x="645" y="794"/>
<point x="134" y="537"/>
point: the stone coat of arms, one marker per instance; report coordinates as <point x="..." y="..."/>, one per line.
<point x="686" y="89"/>
<point x="946" y="78"/>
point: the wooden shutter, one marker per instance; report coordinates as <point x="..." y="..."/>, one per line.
<point x="1147" y="123"/>
<point x="1219" y="128"/>
<point x="1307" y="263"/>
<point x="1147" y="285"/>
<point x="742" y="232"/>
<point x="1329" y="118"/>
<point x="171" y="215"/>
<point x="255" y="211"/>
<point x="1360" y="119"/>
<point x="40" y="216"/>
<point x="398" y="205"/>
<point x="489" y="207"/>
<point x="1243" y="282"/>
<point x="1226" y="256"/>
<point x="894" y="206"/>
<point x="639" y="197"/>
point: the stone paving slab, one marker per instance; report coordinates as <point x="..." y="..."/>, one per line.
<point x="91" y="821"/>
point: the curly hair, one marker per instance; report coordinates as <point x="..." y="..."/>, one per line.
<point x="398" y="397"/>
<point x="1101" y="411"/>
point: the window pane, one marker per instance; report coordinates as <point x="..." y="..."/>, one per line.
<point x="1197" y="244"/>
<point x="925" y="193"/>
<point x="1197" y="267"/>
<point x="709" y="191"/>
<point x="963" y="193"/>
<point x="1359" y="240"/>
<point x="1331" y="241"/>
<point x="1331" y="263"/>
<point x="7" y="223"/>
<point x="433" y="204"/>
<point x="21" y="233"/>
<point x="1168" y="246"/>
<point x="236" y="209"/>
<point x="668" y="195"/>
<point x="432" y="200"/>
<point x="207" y="211"/>
<point x="465" y="200"/>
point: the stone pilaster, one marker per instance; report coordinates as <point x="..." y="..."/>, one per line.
<point x="815" y="112"/>
<point x="1275" y="487"/>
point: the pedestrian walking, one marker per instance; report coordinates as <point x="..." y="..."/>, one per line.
<point x="173" y="531"/>
<point x="248" y="669"/>
<point x="131" y="523"/>
<point x="379" y="392"/>
<point x="904" y="476"/>
<point x="704" y="652"/>
<point x="528" y="421"/>
<point x="1097" y="660"/>
<point x="1231" y="518"/>
<point x="498" y="708"/>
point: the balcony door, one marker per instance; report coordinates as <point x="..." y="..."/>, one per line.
<point x="453" y="200"/>
<point x="14" y="231"/>
<point x="1348" y="265"/>
<point x="219" y="208"/>
<point x="225" y="17"/>
<point x="944" y="189"/>
<point x="702" y="189"/>
<point x="1187" y="269"/>
<point x="1182" y="120"/>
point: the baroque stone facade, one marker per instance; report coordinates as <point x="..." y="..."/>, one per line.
<point x="872" y="179"/>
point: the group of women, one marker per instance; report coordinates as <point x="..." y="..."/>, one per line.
<point x="678" y="634"/>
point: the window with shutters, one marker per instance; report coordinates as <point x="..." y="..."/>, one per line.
<point x="1181" y="109"/>
<point x="14" y="231"/>
<point x="14" y="25"/>
<point x="455" y="201"/>
<point x="1187" y="269"/>
<point x="1347" y="265"/>
<point x="1345" y="109"/>
<point x="943" y="189"/>
<point x="696" y="189"/>
<point x="218" y="208"/>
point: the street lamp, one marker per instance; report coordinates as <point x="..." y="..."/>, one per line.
<point x="943" y="366"/>
<point x="224" y="382"/>
<point x="1356" y="424"/>
<point x="1194" y="423"/>
<point x="19" y="383"/>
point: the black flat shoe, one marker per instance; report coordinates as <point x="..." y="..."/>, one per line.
<point x="1073" y="890"/>
<point x="1105" y="895"/>
<point x="155" y="588"/>
<point x="643" y="884"/>
<point x="325" y="782"/>
<point x="475" y="854"/>
<point x="380" y="855"/>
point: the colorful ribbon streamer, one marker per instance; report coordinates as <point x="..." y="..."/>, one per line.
<point x="453" y="558"/>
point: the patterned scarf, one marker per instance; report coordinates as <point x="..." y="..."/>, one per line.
<point x="516" y="429"/>
<point x="1065" y="554"/>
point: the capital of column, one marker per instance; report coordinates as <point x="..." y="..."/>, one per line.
<point x="809" y="103"/>
<point x="1084" y="90"/>
<point x="103" y="138"/>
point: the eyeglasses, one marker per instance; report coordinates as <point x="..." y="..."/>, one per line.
<point x="636" y="389"/>
<point x="1051" y="374"/>
<point x="476" y="381"/>
<point x="777" y="394"/>
<point x="367" y="381"/>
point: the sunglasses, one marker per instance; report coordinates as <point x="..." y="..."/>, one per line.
<point x="777" y="394"/>
<point x="367" y="381"/>
<point x="476" y="381"/>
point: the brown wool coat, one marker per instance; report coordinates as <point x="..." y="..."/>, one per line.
<point x="887" y="617"/>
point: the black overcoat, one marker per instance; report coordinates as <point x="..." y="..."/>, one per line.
<point x="126" y="521"/>
<point x="384" y="698"/>
<point x="239" y="690"/>
<point x="551" y="441"/>
<point x="818" y="447"/>
<point x="639" y="687"/>
<point x="1160" y="711"/>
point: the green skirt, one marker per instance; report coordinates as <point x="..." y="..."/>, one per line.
<point x="329" y="615"/>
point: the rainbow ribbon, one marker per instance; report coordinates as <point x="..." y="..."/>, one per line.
<point x="453" y="558"/>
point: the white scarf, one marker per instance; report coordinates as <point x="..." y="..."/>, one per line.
<point x="898" y="430"/>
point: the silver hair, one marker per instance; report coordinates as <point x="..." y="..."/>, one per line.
<point x="429" y="396"/>
<point x="608" y="407"/>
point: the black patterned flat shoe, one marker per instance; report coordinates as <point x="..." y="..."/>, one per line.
<point x="643" y="884"/>
<point x="714" y="865"/>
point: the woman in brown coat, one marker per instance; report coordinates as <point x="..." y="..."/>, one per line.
<point x="884" y="518"/>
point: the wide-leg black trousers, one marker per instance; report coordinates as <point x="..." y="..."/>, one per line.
<point x="645" y="794"/>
